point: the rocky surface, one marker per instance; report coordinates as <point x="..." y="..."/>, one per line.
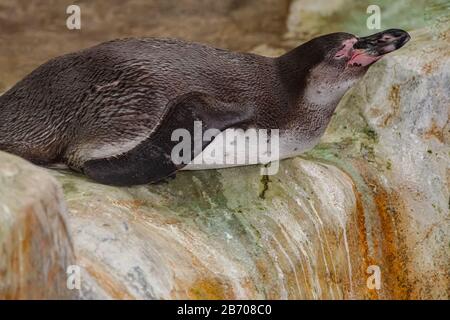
<point x="220" y="234"/>
<point x="374" y="192"/>
<point x="391" y="134"/>
<point x="35" y="247"/>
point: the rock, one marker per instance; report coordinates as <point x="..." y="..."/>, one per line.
<point x="220" y="234"/>
<point x="391" y="134"/>
<point x="35" y="248"/>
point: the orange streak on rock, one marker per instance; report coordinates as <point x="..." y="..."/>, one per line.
<point x="363" y="244"/>
<point x="392" y="245"/>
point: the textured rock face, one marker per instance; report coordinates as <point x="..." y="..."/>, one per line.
<point x="401" y="166"/>
<point x="35" y="248"/>
<point x="391" y="134"/>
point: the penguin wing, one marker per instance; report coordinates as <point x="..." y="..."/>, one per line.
<point x="151" y="160"/>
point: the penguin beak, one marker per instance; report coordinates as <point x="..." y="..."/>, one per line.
<point x="369" y="49"/>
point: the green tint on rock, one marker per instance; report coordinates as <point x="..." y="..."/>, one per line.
<point x="309" y="18"/>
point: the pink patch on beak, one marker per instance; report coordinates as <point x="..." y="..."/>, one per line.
<point x="357" y="57"/>
<point x="362" y="59"/>
<point x="346" y="51"/>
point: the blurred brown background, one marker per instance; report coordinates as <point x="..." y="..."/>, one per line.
<point x="31" y="32"/>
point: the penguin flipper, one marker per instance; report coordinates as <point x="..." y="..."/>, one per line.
<point x="151" y="160"/>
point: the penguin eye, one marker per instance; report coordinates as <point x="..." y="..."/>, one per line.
<point x="339" y="54"/>
<point x="345" y="49"/>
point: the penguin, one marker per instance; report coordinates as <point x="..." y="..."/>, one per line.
<point x="110" y="111"/>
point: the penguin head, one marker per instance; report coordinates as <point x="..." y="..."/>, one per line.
<point x="353" y="55"/>
<point x="343" y="55"/>
<point x="331" y="64"/>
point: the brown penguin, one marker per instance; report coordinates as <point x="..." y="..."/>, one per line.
<point x="109" y="111"/>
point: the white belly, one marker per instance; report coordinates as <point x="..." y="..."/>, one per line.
<point x="233" y="148"/>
